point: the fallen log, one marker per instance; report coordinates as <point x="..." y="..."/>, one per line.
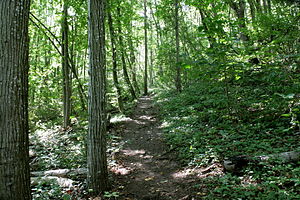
<point x="62" y="182"/>
<point x="234" y="164"/>
<point x="60" y="176"/>
<point x="62" y="173"/>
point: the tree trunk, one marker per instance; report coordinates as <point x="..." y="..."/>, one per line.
<point x="158" y="36"/>
<point x="265" y="6"/>
<point x="239" y="9"/>
<point x="252" y="10"/>
<point x="178" y="67"/>
<point x="258" y="6"/>
<point x="146" y="49"/>
<point x="125" y="73"/>
<point x="97" y="178"/>
<point x="114" y="60"/>
<point x="14" y="66"/>
<point x="211" y="39"/>
<point x="269" y="6"/>
<point x="66" y="68"/>
<point x="41" y="26"/>
<point x="151" y="69"/>
<point x="157" y="26"/>
<point x="132" y="61"/>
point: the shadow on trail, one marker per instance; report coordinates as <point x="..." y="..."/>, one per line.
<point x="145" y="169"/>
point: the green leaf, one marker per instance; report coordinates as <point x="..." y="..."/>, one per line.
<point x="187" y="66"/>
<point x="288" y="96"/>
<point x="66" y="197"/>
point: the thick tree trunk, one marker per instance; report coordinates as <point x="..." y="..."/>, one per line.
<point x="66" y="68"/>
<point x="14" y="152"/>
<point x="114" y="61"/>
<point x="96" y="155"/>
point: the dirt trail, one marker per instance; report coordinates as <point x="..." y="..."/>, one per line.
<point x="146" y="170"/>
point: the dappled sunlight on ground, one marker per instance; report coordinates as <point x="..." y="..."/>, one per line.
<point x="55" y="147"/>
<point x="247" y="181"/>
<point x="119" y="118"/>
<point x="46" y="135"/>
<point x="143" y="165"/>
<point x="215" y="169"/>
<point x="129" y="152"/>
<point x="120" y="169"/>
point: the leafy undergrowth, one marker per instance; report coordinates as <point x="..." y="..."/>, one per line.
<point x="57" y="148"/>
<point x="52" y="147"/>
<point x="251" y="115"/>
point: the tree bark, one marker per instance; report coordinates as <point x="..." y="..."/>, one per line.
<point x="125" y="72"/>
<point x="252" y="10"/>
<point x="258" y="6"/>
<point x="132" y="61"/>
<point x="151" y="69"/>
<point x="41" y="26"/>
<point x="97" y="178"/>
<point x="159" y="38"/>
<point x="210" y="39"/>
<point x="178" y="67"/>
<point x="14" y="66"/>
<point x="239" y="9"/>
<point x="146" y="49"/>
<point x="114" y="60"/>
<point x="66" y="68"/>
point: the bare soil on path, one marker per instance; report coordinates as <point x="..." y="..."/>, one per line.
<point x="145" y="168"/>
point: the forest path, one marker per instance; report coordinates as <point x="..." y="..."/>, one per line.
<point x="145" y="170"/>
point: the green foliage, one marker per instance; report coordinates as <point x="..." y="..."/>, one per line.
<point x="247" y="187"/>
<point x="256" y="114"/>
<point x="48" y="190"/>
<point x="240" y="96"/>
<point x="111" y="195"/>
<point x="56" y="148"/>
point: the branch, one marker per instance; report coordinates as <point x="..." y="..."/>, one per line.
<point x="234" y="164"/>
<point x="45" y="33"/>
<point x="45" y="27"/>
<point x="71" y="64"/>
